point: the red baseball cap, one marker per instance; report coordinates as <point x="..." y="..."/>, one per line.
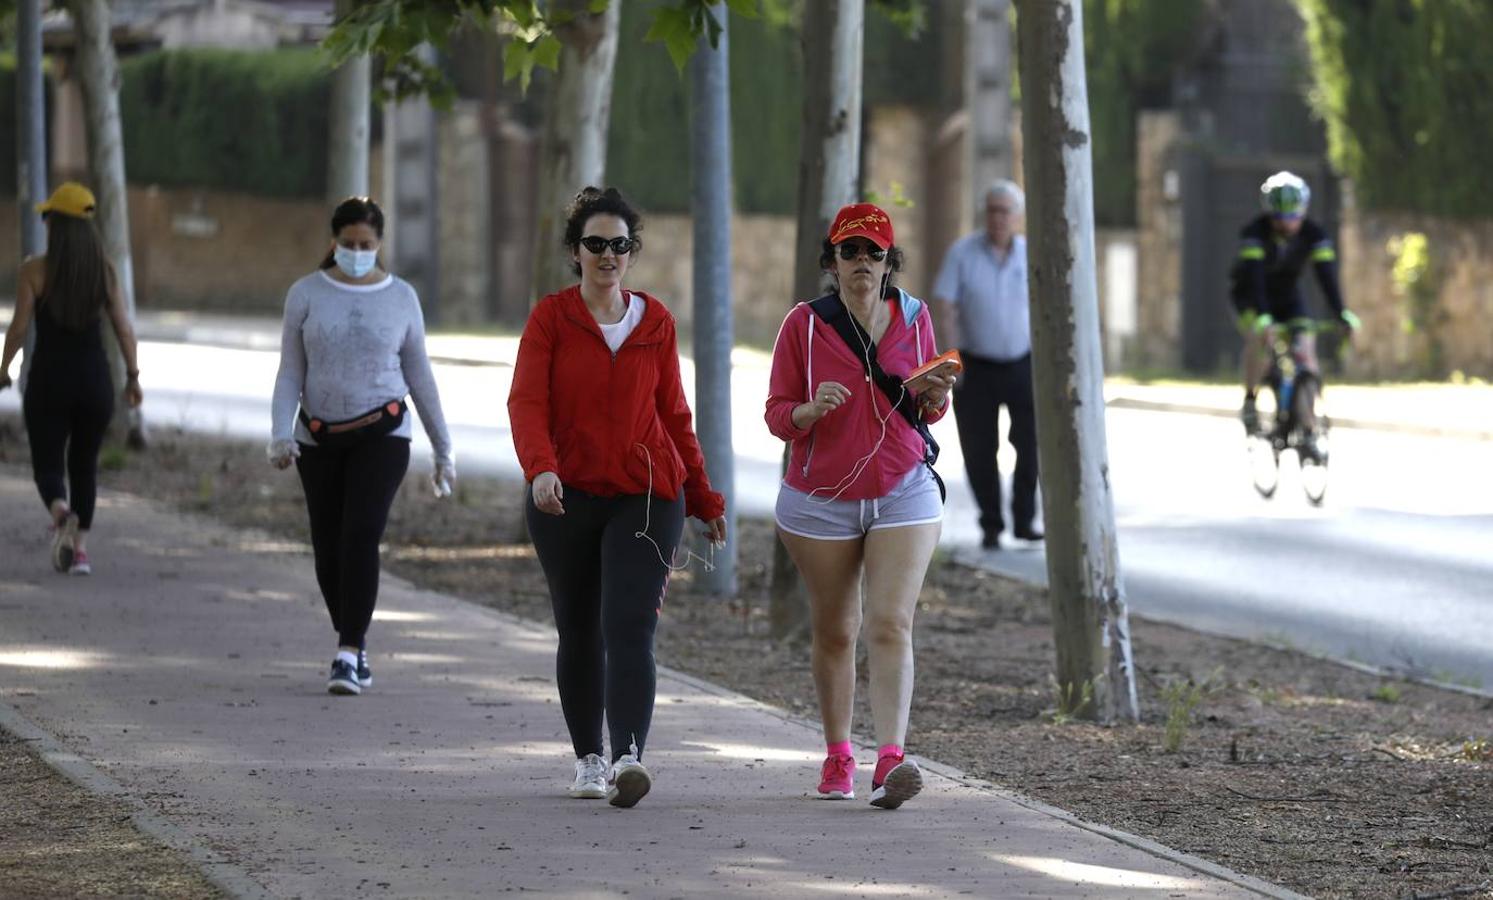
<point x="865" y="220"/>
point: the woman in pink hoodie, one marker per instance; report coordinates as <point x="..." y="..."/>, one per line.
<point x="860" y="496"/>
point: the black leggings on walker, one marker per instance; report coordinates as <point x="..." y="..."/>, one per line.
<point x="67" y="416"/>
<point x="606" y="586"/>
<point x="348" y="495"/>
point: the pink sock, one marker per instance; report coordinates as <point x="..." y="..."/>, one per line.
<point x="839" y="748"/>
<point x="889" y="750"/>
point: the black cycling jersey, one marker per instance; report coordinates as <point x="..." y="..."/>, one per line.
<point x="1267" y="271"/>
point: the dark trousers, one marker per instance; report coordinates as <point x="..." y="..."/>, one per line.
<point x="67" y="414"/>
<point x="607" y="588"/>
<point x="348" y="495"/>
<point x="984" y="388"/>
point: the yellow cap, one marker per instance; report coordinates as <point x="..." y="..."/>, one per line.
<point x="70" y="199"/>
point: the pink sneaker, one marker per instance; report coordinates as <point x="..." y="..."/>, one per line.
<point x="80" y="564"/>
<point x="897" y="780"/>
<point x="837" y="779"/>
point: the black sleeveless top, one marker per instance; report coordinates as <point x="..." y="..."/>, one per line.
<point x="59" y="348"/>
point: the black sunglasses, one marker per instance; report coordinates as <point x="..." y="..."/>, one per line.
<point x="598" y="245"/>
<point x="851" y="249"/>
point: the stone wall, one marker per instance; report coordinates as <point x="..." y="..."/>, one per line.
<point x="1158" y="338"/>
<point x="761" y="272"/>
<point x="1459" y="337"/>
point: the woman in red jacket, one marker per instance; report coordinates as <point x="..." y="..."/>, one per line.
<point x="603" y="432"/>
<point x="858" y="497"/>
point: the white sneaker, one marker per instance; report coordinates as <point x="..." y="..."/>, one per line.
<point x="590" y="778"/>
<point x="629" y="782"/>
<point x="63" y="538"/>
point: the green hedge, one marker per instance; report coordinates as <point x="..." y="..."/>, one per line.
<point x="245" y="121"/>
<point x="1407" y="94"/>
<point x="648" y="145"/>
<point x="1130" y="48"/>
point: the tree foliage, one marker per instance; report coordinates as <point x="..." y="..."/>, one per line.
<point x="1407" y="94"/>
<point x="393" y="30"/>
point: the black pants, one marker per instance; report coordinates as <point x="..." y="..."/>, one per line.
<point x="607" y="587"/>
<point x="986" y="386"/>
<point x="348" y="495"/>
<point x="67" y="415"/>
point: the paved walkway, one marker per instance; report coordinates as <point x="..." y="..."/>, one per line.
<point x="189" y="672"/>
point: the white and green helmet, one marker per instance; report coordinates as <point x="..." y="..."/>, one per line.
<point x="1285" y="194"/>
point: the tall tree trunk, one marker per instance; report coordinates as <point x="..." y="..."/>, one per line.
<point x="31" y="145"/>
<point x="987" y="63"/>
<point x="347" y="145"/>
<point x="98" y="75"/>
<point x="573" y="152"/>
<point x="412" y="199"/>
<point x="1091" y="632"/>
<point x="828" y="178"/>
<point x="710" y="208"/>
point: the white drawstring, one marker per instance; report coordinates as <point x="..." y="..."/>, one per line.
<point x="860" y="465"/>
<point x="647" y="518"/>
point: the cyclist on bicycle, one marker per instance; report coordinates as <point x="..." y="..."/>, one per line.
<point x="1274" y="248"/>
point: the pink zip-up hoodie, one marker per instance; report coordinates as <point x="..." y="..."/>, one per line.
<point x="826" y="456"/>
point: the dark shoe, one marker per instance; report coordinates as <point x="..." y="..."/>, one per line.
<point x="991" y="540"/>
<point x="365" y="674"/>
<point x="1310" y="449"/>
<point x="344" y="678"/>
<point x="1250" y="417"/>
<point x="1028" y="533"/>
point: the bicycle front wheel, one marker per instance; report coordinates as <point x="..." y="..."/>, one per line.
<point x="1314" y="466"/>
<point x="1264" y="464"/>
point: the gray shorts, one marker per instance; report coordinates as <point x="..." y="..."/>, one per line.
<point x="914" y="501"/>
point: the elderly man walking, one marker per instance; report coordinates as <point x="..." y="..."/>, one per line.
<point x="981" y="292"/>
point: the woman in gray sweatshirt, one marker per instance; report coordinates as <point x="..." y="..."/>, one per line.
<point x="352" y="347"/>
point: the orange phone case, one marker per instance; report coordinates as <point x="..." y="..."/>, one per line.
<point x="951" y="356"/>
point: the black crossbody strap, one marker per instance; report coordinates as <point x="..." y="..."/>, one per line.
<point x="831" y="309"/>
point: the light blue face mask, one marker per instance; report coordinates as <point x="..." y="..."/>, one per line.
<point x="355" y="263"/>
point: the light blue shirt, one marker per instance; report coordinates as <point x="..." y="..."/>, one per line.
<point x="989" y="297"/>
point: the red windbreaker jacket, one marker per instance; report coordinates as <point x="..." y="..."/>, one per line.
<point x="606" y="423"/>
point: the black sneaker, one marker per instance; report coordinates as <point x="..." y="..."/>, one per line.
<point x="365" y="674"/>
<point x="1028" y="533"/>
<point x="344" y="679"/>
<point x="1250" y="416"/>
<point x="1310" y="449"/>
<point x="991" y="541"/>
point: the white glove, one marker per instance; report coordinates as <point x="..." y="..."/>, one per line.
<point x="282" y="453"/>
<point x="443" y="478"/>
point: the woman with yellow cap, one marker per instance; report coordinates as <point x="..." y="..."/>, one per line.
<point x="69" y="397"/>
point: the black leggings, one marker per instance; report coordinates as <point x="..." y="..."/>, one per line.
<point x="67" y="415"/>
<point x="348" y="495"/>
<point x="607" y="587"/>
